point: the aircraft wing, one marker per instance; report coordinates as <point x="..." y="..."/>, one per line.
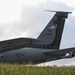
<point x="14" y="44"/>
<point x="60" y="54"/>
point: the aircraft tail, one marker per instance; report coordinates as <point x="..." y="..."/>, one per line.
<point x="51" y="35"/>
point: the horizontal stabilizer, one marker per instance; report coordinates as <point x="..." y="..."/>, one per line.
<point x="61" y="53"/>
<point x="58" y="11"/>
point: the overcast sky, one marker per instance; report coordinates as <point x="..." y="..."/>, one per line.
<point x="27" y="18"/>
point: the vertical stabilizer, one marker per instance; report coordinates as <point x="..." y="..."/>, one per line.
<point x="52" y="33"/>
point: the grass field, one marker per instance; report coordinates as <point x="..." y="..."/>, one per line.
<point x="17" y="69"/>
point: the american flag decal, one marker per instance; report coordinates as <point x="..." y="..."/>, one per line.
<point x="52" y="27"/>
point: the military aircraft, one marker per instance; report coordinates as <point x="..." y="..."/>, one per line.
<point x="44" y="48"/>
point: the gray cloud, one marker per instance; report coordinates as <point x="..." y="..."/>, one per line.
<point x="33" y="20"/>
<point x="68" y="38"/>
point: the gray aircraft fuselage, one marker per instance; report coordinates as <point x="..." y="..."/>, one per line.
<point x="35" y="55"/>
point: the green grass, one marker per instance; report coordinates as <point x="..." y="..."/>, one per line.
<point x="17" y="69"/>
